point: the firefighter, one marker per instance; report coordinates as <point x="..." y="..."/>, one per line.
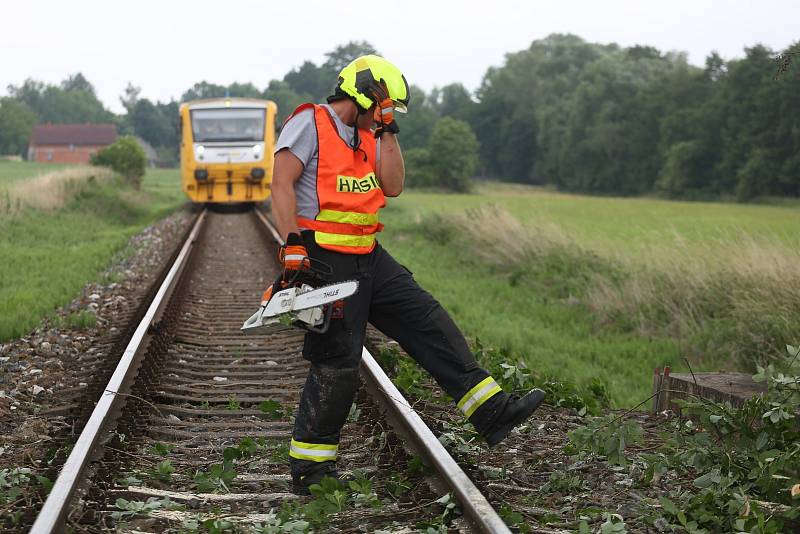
<point x="334" y="165"/>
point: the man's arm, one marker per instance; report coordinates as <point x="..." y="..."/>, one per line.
<point x="391" y="170"/>
<point x="285" y="173"/>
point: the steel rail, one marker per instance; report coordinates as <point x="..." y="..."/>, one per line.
<point x="477" y="508"/>
<point x="53" y="513"/>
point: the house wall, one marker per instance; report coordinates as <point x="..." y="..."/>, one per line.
<point x="63" y="153"/>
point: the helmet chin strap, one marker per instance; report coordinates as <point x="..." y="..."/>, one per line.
<point x="356" y="145"/>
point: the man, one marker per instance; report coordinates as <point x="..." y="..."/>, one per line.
<point x="331" y="174"/>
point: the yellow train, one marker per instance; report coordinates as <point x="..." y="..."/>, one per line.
<point x="227" y="149"/>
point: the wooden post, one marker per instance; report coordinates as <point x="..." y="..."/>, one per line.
<point x="663" y="396"/>
<point x="656" y="388"/>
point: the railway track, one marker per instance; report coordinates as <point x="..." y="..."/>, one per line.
<point x="191" y="431"/>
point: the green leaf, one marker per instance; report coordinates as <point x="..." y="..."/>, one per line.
<point x="681" y="517"/>
<point x="272" y="408"/>
<point x="231" y="453"/>
<point x="44" y="482"/>
<point x="707" y="480"/>
<point x="162" y="449"/>
<point x="668" y="506"/>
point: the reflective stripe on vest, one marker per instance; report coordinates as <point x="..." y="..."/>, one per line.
<point x="348" y="192"/>
<point x="348" y="217"/>
<point x="480" y="393"/>
<point x="315" y="452"/>
<point x="343" y="240"/>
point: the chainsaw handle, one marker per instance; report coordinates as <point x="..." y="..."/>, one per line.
<point x="318" y="272"/>
<point x="326" y="321"/>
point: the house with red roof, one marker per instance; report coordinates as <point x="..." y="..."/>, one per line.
<point x="69" y="143"/>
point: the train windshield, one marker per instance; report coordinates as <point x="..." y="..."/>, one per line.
<point x="225" y="125"/>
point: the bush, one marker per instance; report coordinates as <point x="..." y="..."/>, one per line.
<point x="126" y="157"/>
<point x="418" y="168"/>
<point x="454" y="154"/>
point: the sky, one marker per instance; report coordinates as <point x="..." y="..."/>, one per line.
<point x="166" y="46"/>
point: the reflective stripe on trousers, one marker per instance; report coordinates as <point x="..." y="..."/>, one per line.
<point x="315" y="452"/>
<point x="480" y="393"/>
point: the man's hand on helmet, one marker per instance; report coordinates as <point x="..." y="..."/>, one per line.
<point x="384" y="110"/>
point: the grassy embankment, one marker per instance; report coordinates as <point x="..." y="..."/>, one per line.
<point x="585" y="287"/>
<point x="579" y="287"/>
<point x="60" y="227"/>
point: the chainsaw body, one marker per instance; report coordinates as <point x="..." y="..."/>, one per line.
<point x="301" y="304"/>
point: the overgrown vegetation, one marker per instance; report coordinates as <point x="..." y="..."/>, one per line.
<point x="738" y="307"/>
<point x="51" y="190"/>
<point x="610" y="301"/>
<point x="15" y="484"/>
<point x="728" y="469"/>
<point x="330" y="497"/>
<point x="62" y="230"/>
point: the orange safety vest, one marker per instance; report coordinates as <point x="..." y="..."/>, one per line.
<point x="348" y="191"/>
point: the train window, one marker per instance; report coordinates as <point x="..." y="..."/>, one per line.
<point x="228" y="125"/>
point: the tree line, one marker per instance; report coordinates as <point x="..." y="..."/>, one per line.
<point x="579" y="116"/>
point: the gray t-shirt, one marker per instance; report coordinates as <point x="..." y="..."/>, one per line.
<point x="299" y="136"/>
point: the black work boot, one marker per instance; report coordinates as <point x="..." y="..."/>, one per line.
<point x="515" y="412"/>
<point x="305" y="475"/>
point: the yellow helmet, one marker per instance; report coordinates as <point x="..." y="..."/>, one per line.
<point x="356" y="78"/>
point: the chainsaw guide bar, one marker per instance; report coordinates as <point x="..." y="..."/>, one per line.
<point x="299" y="306"/>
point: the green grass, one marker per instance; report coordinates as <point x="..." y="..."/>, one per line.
<point x="525" y="307"/>
<point x="49" y="256"/>
<point x="623" y="225"/>
<point x="12" y="171"/>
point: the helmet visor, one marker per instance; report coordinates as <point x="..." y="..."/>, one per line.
<point x="399" y="107"/>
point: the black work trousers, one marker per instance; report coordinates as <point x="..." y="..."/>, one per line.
<point x="390" y="299"/>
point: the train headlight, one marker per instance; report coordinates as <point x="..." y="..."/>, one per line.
<point x="257" y="174"/>
<point x="257" y="149"/>
<point x="200" y="150"/>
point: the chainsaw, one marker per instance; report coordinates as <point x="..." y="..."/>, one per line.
<point x="303" y="304"/>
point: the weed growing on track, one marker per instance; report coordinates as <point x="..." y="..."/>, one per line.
<point x="606" y="437"/>
<point x="128" y="509"/>
<point x="272" y="409"/>
<point x="163" y="471"/>
<point x="16" y="487"/>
